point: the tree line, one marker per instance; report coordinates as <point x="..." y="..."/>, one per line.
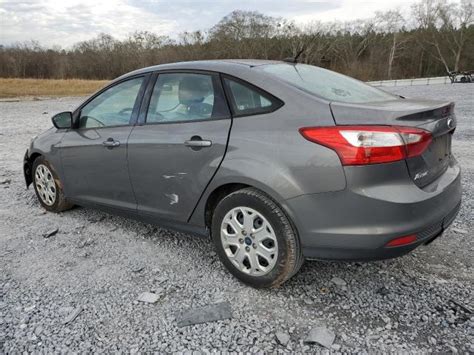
<point x="434" y="37"/>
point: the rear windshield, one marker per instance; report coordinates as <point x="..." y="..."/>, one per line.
<point x="326" y="84"/>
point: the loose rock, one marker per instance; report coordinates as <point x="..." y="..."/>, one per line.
<point x="73" y="315"/>
<point x="205" y="314"/>
<point x="282" y="338"/>
<point x="322" y="336"/>
<point x="85" y="243"/>
<point x="338" y="281"/>
<point x="137" y="268"/>
<point x="50" y="233"/>
<point x="148" y="297"/>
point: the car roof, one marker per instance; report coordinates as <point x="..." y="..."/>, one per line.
<point x="230" y="66"/>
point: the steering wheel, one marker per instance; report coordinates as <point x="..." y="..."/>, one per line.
<point x="126" y="109"/>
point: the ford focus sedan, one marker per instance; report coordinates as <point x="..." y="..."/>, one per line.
<point x="278" y="162"/>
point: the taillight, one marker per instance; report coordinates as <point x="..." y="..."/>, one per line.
<point x="363" y="145"/>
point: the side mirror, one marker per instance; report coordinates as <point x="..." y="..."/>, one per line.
<point x="62" y="120"/>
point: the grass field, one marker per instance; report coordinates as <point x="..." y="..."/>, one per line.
<point x="10" y="88"/>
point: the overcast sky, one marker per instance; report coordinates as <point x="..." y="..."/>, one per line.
<point x="64" y="22"/>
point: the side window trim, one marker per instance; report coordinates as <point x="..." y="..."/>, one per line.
<point x="216" y="78"/>
<point x="276" y="102"/>
<point x="145" y="104"/>
<point x="136" y="105"/>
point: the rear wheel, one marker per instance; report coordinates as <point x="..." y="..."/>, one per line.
<point x="48" y="187"/>
<point x="255" y="239"/>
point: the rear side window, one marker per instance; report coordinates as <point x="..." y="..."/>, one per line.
<point x="249" y="100"/>
<point x="326" y="84"/>
<point x="182" y="97"/>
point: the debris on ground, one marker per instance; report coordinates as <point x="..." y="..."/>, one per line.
<point x="211" y="313"/>
<point x="148" y="297"/>
<point x="73" y="315"/>
<point x="322" y="336"/>
<point x="464" y="308"/>
<point x="383" y="291"/>
<point x="282" y="338"/>
<point x="50" y="233"/>
<point x="459" y="231"/>
<point x="137" y="267"/>
<point x="338" y="281"/>
<point x="5" y="182"/>
<point x="85" y="243"/>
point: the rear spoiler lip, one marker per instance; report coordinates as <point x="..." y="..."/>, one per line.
<point x="391" y="112"/>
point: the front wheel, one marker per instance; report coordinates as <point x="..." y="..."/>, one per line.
<point x="255" y="239"/>
<point x="48" y="188"/>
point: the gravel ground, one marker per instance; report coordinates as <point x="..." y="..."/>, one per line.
<point x="77" y="290"/>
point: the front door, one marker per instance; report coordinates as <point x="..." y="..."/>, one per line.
<point x="94" y="154"/>
<point x="174" y="155"/>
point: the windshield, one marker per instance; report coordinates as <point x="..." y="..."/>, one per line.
<point x="326" y="84"/>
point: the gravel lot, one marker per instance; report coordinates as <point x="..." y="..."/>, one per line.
<point x="99" y="264"/>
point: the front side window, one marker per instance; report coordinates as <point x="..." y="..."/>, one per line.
<point x="248" y="100"/>
<point x="113" y="107"/>
<point x="186" y="97"/>
<point x="326" y="84"/>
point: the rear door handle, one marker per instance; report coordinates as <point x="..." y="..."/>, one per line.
<point x="198" y="143"/>
<point x="111" y="143"/>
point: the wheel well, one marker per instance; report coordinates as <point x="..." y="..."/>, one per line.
<point x="33" y="157"/>
<point x="28" y="168"/>
<point x="31" y="161"/>
<point x="217" y="195"/>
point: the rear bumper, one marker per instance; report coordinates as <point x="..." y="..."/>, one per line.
<point x="380" y="203"/>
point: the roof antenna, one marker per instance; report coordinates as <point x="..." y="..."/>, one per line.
<point x="294" y="60"/>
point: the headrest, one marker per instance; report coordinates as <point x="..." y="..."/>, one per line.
<point x="193" y="89"/>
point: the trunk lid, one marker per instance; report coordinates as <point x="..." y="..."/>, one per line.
<point x="434" y="116"/>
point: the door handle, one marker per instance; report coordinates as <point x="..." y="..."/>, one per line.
<point x="110" y="143"/>
<point x="198" y="143"/>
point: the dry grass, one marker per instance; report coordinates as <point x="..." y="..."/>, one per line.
<point x="47" y="87"/>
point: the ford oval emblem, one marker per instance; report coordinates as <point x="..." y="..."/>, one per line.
<point x="450" y="123"/>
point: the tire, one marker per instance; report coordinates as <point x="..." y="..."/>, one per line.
<point x="48" y="187"/>
<point x="266" y="239"/>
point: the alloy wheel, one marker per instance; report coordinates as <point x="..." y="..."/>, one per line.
<point x="249" y="241"/>
<point x="45" y="184"/>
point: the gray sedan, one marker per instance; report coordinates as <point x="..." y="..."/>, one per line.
<point x="279" y="162"/>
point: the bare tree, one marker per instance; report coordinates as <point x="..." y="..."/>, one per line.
<point x="444" y="26"/>
<point x="455" y="20"/>
<point x="245" y="32"/>
<point x="391" y="23"/>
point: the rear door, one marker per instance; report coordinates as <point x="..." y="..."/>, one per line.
<point x="174" y="153"/>
<point x="94" y="153"/>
